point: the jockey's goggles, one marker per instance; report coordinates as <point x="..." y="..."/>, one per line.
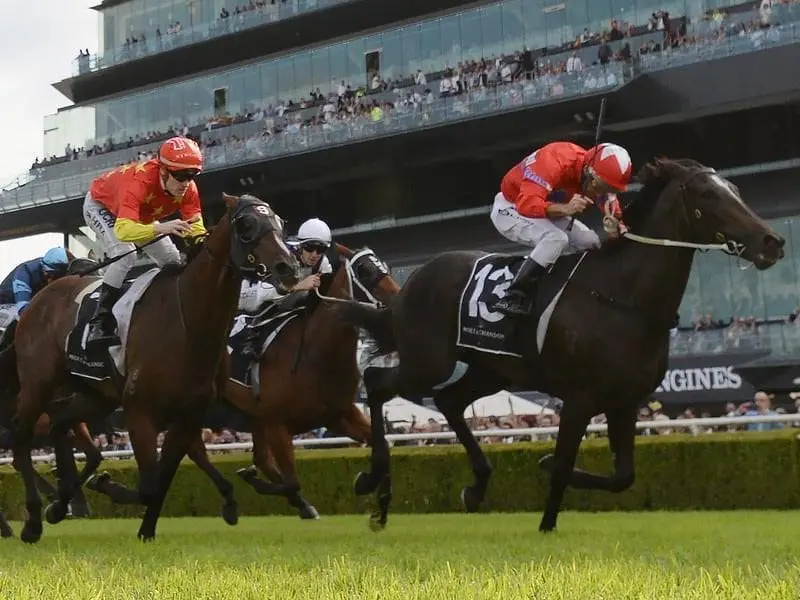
<point x="317" y="247"/>
<point x="184" y="175"/>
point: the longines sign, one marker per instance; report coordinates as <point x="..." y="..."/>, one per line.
<point x="710" y="378"/>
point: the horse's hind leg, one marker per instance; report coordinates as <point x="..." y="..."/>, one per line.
<point x="34" y="395"/>
<point x="452" y="401"/>
<point x="198" y="454"/>
<point x="621" y="439"/>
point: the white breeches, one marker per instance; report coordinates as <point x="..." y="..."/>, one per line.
<point x="548" y="237"/>
<point x="253" y="296"/>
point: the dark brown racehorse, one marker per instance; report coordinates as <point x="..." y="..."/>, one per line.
<point x="607" y="343"/>
<point x="175" y="356"/>
<point x="309" y="378"/>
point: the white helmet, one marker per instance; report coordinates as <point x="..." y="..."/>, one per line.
<point x="314" y="230"/>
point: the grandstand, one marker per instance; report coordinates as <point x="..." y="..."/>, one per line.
<point x="397" y="130"/>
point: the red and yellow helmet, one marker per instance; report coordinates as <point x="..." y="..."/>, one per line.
<point x="609" y="163"/>
<point x="180" y="153"/>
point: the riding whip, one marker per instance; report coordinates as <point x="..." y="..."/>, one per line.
<point x="598" y="129"/>
<point x="110" y="260"/>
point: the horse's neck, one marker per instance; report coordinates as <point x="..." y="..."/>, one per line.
<point x="650" y="278"/>
<point x="325" y="325"/>
<point x="209" y="290"/>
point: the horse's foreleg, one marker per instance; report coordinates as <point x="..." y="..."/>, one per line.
<point x="367" y="482"/>
<point x="282" y="450"/>
<point x="198" y="454"/>
<point x="273" y="444"/>
<point x="67" y="474"/>
<point x="356" y="426"/>
<point x="571" y="430"/>
<point x="621" y="436"/>
<point x="177" y="442"/>
<point x="144" y="437"/>
<point x="5" y="528"/>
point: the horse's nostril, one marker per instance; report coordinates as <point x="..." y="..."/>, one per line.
<point x="771" y="240"/>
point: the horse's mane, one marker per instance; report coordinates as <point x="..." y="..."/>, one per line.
<point x="654" y="177"/>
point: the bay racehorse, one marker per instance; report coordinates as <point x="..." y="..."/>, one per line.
<point x="309" y="378"/>
<point x="82" y="438"/>
<point x="174" y="357"/>
<point x="606" y="317"/>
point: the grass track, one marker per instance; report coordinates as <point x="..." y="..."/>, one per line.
<point x="613" y="556"/>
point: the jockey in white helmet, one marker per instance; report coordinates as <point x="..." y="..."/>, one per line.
<point x="313" y="240"/>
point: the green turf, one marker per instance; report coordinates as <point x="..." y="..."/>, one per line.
<point x="611" y="556"/>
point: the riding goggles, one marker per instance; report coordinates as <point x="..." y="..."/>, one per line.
<point x="184" y="175"/>
<point x="317" y="247"/>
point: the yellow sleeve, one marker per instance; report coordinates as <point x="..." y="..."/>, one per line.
<point x="127" y="230"/>
<point x="196" y="227"/>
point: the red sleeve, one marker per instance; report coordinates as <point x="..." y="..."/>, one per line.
<point x="130" y="195"/>
<point x="190" y="206"/>
<point x="532" y="200"/>
<point x="540" y="176"/>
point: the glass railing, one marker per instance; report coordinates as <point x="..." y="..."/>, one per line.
<point x="257" y="141"/>
<point x="199" y="32"/>
<point x="781" y="339"/>
<point x="721" y="47"/>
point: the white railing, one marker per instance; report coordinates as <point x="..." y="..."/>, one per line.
<point x="449" y="435"/>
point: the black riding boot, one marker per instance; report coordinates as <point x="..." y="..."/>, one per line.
<point x="519" y="297"/>
<point x="250" y="343"/>
<point x="102" y="325"/>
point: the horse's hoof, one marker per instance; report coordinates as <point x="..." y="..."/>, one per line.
<point x="97" y="480"/>
<point x="470" y="500"/>
<point x="55" y="513"/>
<point x="248" y="473"/>
<point x="375" y="523"/>
<point x="547" y="525"/>
<point x="146" y="537"/>
<point x="363" y="485"/>
<point x="31" y="534"/>
<point x="6" y="532"/>
<point x="546" y="463"/>
<point x="230" y="513"/>
<point x="308" y="512"/>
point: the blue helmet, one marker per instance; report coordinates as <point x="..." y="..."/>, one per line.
<point x="55" y="260"/>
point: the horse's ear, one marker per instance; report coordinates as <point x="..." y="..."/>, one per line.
<point x="230" y="201"/>
<point x="651" y="171"/>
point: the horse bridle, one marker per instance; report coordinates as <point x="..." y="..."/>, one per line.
<point x="730" y="247"/>
<point x="271" y="223"/>
<point x="353" y="279"/>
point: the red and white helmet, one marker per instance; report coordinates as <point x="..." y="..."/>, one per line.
<point x="609" y="163"/>
<point x="179" y="153"/>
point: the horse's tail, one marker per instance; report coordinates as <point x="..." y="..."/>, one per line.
<point x="376" y="321"/>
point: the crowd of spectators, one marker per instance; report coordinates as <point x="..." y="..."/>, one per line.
<point x="546" y="73"/>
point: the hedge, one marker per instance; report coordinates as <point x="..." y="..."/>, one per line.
<point x="679" y="472"/>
